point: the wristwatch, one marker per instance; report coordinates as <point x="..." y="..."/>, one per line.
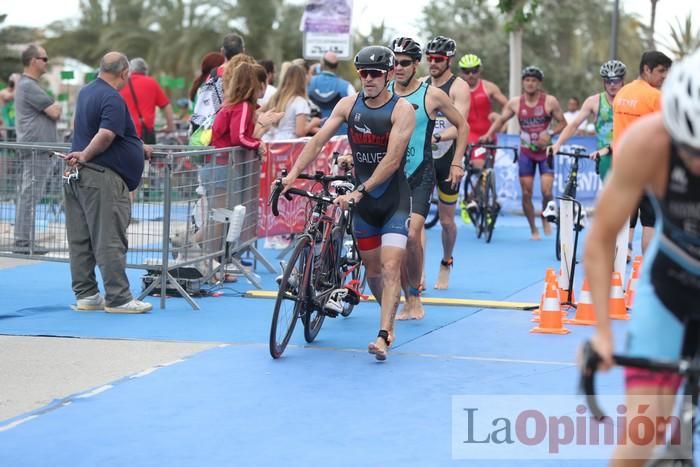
<point x="437" y="137"/>
<point x="361" y="188"/>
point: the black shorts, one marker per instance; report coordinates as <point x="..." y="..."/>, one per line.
<point x="383" y="221"/>
<point x="645" y="212"/>
<point x="446" y="193"/>
<point x="422" y="182"/>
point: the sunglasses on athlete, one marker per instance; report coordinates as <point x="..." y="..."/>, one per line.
<point x="470" y="71"/>
<point x="613" y="81"/>
<point x="436" y="58"/>
<point x="404" y="63"/>
<point x="365" y="72"/>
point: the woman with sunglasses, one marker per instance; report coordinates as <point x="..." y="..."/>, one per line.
<point x="612" y="73"/>
<point x="380" y="126"/>
<point x="660" y="155"/>
<point x="439" y="53"/>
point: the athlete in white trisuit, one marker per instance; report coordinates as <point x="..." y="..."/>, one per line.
<point x="439" y="53"/>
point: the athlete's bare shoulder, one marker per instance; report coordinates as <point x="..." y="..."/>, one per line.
<point x="459" y="86"/>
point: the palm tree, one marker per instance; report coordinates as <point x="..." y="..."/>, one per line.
<point x="685" y="39"/>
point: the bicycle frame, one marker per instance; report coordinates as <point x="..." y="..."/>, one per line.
<point x="319" y="228"/>
<point x="484" y="219"/>
<point x="569" y="215"/>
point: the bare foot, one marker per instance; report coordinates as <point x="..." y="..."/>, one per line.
<point x="535" y="235"/>
<point x="379" y="348"/>
<point x="404" y="314"/>
<point x="413" y="309"/>
<point x="443" y="278"/>
<point x="547" y="227"/>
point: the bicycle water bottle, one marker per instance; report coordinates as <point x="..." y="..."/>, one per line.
<point x="236" y="223"/>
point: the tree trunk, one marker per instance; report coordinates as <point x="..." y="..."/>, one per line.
<point x="652" y="24"/>
<point x="516" y="64"/>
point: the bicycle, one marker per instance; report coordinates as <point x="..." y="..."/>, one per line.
<point x="687" y="366"/>
<point x="483" y="208"/>
<point x="318" y="267"/>
<point x="568" y="216"/>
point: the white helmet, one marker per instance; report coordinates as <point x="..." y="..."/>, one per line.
<point x="680" y="101"/>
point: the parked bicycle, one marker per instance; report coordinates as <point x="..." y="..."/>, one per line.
<point x="481" y="197"/>
<point x="688" y="366"/>
<point x="323" y="276"/>
<point x="569" y="217"/>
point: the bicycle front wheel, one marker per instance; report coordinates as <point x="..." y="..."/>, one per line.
<point x="292" y="296"/>
<point x="492" y="208"/>
<point x="325" y="278"/>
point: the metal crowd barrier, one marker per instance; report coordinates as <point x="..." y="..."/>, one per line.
<point x="182" y="213"/>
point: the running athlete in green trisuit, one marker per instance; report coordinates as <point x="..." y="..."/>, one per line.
<point x="613" y="74"/>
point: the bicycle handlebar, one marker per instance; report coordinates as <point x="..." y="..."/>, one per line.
<point x="589" y="365"/>
<point x="275" y="195"/>
<point x="472" y="146"/>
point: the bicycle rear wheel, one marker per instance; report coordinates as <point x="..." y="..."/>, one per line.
<point x="292" y="296"/>
<point x="491" y="206"/>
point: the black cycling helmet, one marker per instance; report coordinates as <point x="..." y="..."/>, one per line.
<point x="407" y="46"/>
<point x="376" y="57"/>
<point x="613" y="69"/>
<point x="441" y="46"/>
<point x="532" y="71"/>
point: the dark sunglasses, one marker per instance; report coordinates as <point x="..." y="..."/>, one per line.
<point x="613" y="81"/>
<point x="371" y="73"/>
<point x="45" y="59"/>
<point x="470" y="71"/>
<point x="436" y="58"/>
<point x="404" y="63"/>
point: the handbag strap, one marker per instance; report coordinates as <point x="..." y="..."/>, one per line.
<point x="136" y="101"/>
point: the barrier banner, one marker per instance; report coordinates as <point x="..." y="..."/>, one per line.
<point x="508" y="182"/>
<point x="282" y="155"/>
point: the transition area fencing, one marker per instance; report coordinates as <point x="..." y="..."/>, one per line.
<point x="193" y="216"/>
<point x="197" y="210"/>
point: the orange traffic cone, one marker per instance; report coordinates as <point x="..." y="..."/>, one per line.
<point x="551" y="314"/>
<point x="632" y="282"/>
<point x="585" y="313"/>
<point x="549" y="276"/>
<point x="616" y="304"/>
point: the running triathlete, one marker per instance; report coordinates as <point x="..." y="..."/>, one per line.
<point x="535" y="110"/>
<point x="428" y="102"/>
<point x="439" y="53"/>
<point x="380" y="125"/>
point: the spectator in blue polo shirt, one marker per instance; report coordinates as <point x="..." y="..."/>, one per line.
<point x="110" y="157"/>
<point x="326" y="88"/>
